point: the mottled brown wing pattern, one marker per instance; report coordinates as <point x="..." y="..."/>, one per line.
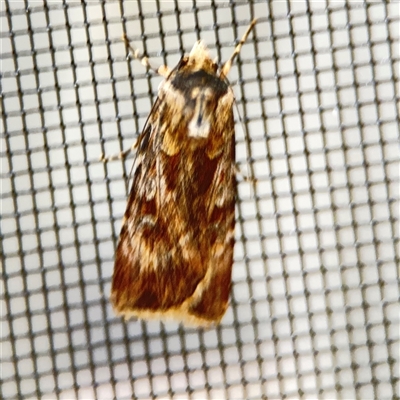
<point x="178" y="232"/>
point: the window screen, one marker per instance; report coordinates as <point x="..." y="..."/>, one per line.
<point x="314" y="310"/>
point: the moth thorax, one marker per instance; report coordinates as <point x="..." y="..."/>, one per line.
<point x="199" y="125"/>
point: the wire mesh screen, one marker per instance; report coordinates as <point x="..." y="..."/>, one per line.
<point x="314" y="309"/>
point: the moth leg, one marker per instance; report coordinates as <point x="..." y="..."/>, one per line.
<point x="119" y="156"/>
<point x="227" y="66"/>
<point x="245" y="177"/>
<point x="163" y="70"/>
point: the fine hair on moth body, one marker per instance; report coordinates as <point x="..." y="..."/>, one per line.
<point x="175" y="251"/>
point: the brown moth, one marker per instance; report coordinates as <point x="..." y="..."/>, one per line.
<point x="175" y="252"/>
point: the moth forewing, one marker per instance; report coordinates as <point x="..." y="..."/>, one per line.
<point x="175" y="252"/>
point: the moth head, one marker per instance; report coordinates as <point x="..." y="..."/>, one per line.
<point x="199" y="59"/>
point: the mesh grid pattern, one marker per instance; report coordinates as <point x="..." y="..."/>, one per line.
<point x="315" y="302"/>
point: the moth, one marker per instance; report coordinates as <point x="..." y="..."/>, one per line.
<point x="175" y="251"/>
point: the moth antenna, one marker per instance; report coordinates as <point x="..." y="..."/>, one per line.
<point x="163" y="70"/>
<point x="227" y="66"/>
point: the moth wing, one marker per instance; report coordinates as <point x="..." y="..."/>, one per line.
<point x="175" y="252"/>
